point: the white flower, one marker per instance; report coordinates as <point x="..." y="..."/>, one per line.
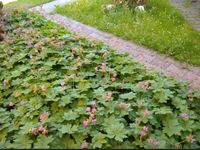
<point x="140" y="8"/>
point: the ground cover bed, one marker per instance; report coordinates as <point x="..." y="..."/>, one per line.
<point x="58" y="90"/>
<point x="161" y="27"/>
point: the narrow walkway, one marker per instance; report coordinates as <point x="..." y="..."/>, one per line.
<point x="191" y="12"/>
<point x="149" y="58"/>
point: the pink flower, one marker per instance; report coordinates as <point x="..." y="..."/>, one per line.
<point x="190" y="138"/>
<point x="150" y="140"/>
<point x="85" y="123"/>
<point x="62" y="83"/>
<point x="96" y="69"/>
<point x="5" y="82"/>
<point x="44" y="116"/>
<point x="114" y="75"/>
<point x="110" y="70"/>
<point x="108" y="95"/>
<point x="155" y="143"/>
<point x="84" y="146"/>
<point x="45" y="131"/>
<point x="105" y="54"/>
<point x="94" y="110"/>
<point x="33" y="131"/>
<point x="103" y="66"/>
<point x="94" y="120"/>
<point x="91" y="116"/>
<point x="29" y="43"/>
<point x="88" y="109"/>
<point x="38" y="36"/>
<point x="113" y="79"/>
<point x="142" y="133"/>
<point x="184" y="115"/>
<point x="94" y="103"/>
<point x="43" y="88"/>
<point x="41" y="128"/>
<point x="128" y="105"/>
<point x="10" y="104"/>
<point x="146" y="113"/>
<point x="145" y="128"/>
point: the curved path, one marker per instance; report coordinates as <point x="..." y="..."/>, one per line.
<point x="191" y="12"/>
<point x="149" y="58"/>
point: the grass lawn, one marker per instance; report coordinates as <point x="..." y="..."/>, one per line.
<point x="161" y="27"/>
<point x="24" y="4"/>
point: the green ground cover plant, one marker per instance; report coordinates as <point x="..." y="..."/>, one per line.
<point x="58" y="90"/>
<point x="161" y="27"/>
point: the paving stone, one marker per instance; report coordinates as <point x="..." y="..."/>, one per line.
<point x="191" y="12"/>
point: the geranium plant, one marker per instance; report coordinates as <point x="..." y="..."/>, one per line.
<point x="58" y="90"/>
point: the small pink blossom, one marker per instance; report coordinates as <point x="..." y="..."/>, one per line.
<point x="184" y="115"/>
<point x="94" y="103"/>
<point x="38" y="36"/>
<point x="146" y="113"/>
<point x="88" y="109"/>
<point x="108" y="95"/>
<point x="114" y="75"/>
<point x="94" y="120"/>
<point x="34" y="131"/>
<point x="142" y="133"/>
<point x="96" y="69"/>
<point x="105" y="54"/>
<point x="155" y="143"/>
<point x="94" y="110"/>
<point x="30" y="43"/>
<point x="5" y="82"/>
<point x="91" y="116"/>
<point x="45" y="131"/>
<point x="120" y="105"/>
<point x="103" y="66"/>
<point x="62" y="83"/>
<point x="145" y="128"/>
<point x="44" y="116"/>
<point x="113" y="79"/>
<point x="43" y="88"/>
<point x="110" y="70"/>
<point x="10" y="104"/>
<point x="150" y="140"/>
<point x="41" y="128"/>
<point x="85" y="123"/>
<point x="84" y="145"/>
<point x="190" y="138"/>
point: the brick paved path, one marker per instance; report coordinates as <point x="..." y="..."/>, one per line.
<point x="191" y="13"/>
<point x="149" y="58"/>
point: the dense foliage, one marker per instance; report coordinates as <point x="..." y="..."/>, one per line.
<point x="62" y="91"/>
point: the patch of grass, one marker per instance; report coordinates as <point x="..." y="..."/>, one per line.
<point x="161" y="27"/>
<point x="24" y="4"/>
